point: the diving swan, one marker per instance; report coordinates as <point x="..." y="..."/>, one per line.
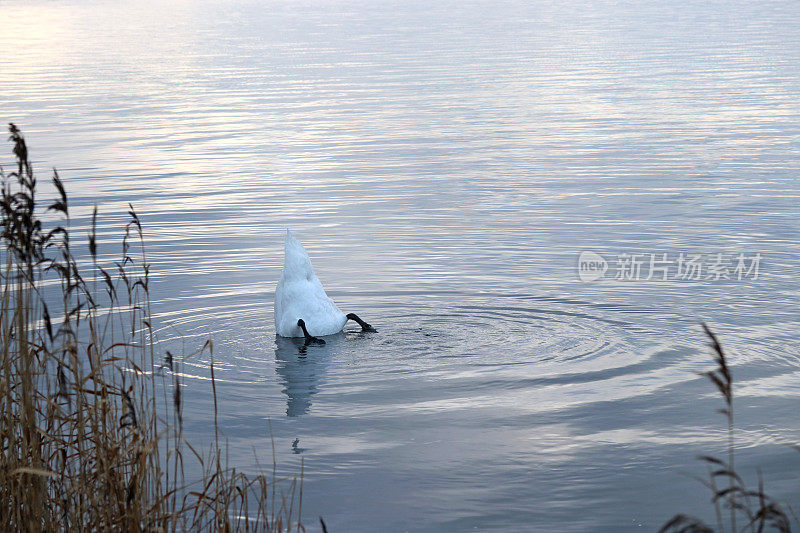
<point x="302" y="309"/>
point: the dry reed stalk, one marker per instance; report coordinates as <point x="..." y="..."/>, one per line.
<point x="91" y="439"/>
<point x="757" y="509"/>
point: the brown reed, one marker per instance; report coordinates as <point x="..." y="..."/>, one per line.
<point x="91" y="417"/>
<point x="748" y="509"/>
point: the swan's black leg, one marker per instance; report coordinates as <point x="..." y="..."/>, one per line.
<point x="309" y="339"/>
<point x="364" y="325"/>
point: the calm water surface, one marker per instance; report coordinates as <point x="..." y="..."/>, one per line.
<point x="445" y="163"/>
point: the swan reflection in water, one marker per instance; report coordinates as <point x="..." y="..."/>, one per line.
<point x="300" y="368"/>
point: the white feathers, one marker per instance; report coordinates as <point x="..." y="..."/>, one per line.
<point x="299" y="294"/>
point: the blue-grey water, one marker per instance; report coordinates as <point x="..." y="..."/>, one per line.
<point x="445" y="164"/>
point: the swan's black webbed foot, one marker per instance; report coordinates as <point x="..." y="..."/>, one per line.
<point x="309" y="338"/>
<point x="364" y="325"/>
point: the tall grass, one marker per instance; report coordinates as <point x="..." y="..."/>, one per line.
<point x="737" y="507"/>
<point x="91" y="413"/>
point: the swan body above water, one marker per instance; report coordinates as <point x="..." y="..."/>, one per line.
<point x="302" y="308"/>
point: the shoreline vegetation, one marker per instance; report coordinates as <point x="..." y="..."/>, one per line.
<point x="736" y="507"/>
<point x="91" y="412"/>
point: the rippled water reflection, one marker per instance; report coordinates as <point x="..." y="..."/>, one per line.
<point x="444" y="165"/>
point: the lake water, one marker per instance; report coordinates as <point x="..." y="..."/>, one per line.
<point x="445" y="164"/>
